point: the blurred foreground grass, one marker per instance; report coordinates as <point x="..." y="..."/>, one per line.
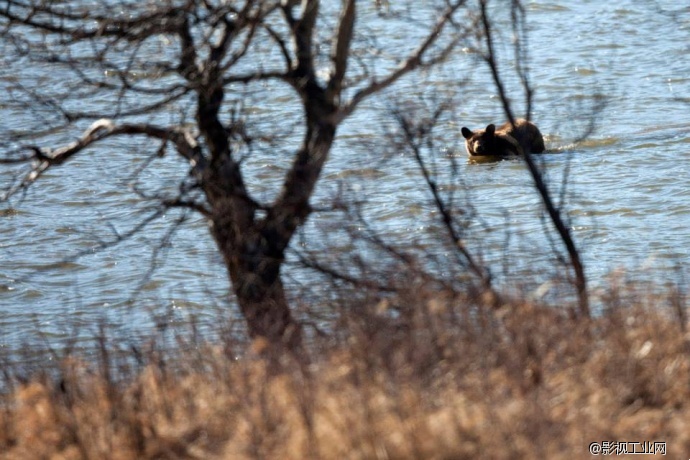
<point x="442" y="378"/>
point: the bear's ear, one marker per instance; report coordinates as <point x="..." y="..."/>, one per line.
<point x="466" y="133"/>
<point x="490" y="130"/>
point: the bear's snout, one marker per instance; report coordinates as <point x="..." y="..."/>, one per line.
<point x="479" y="147"/>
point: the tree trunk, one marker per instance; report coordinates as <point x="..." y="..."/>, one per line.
<point x="260" y="294"/>
<point x="254" y="248"/>
<point x="255" y="277"/>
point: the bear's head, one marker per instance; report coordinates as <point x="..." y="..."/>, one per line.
<point x="482" y="141"/>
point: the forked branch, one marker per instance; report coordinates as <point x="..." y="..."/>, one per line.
<point x="415" y="134"/>
<point x="420" y="58"/>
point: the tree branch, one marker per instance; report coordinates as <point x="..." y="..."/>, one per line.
<point x="538" y="178"/>
<point x="341" y="50"/>
<point x="412" y="138"/>
<point x="414" y="61"/>
<point x="188" y="67"/>
<point x="183" y="140"/>
<point x="303" y="36"/>
<point x="281" y="44"/>
<point x="254" y="76"/>
<point x="136" y="29"/>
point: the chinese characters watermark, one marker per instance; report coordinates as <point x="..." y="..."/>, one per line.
<point x="627" y="448"/>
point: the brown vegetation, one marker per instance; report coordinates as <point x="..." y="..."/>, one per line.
<point x="445" y="378"/>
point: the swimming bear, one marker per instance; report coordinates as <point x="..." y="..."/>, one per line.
<point x="504" y="141"/>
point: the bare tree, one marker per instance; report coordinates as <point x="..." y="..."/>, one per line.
<point x="107" y="50"/>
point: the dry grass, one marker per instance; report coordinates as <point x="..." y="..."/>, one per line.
<point x="441" y="380"/>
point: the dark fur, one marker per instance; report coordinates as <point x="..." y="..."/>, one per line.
<point x="504" y="141"/>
